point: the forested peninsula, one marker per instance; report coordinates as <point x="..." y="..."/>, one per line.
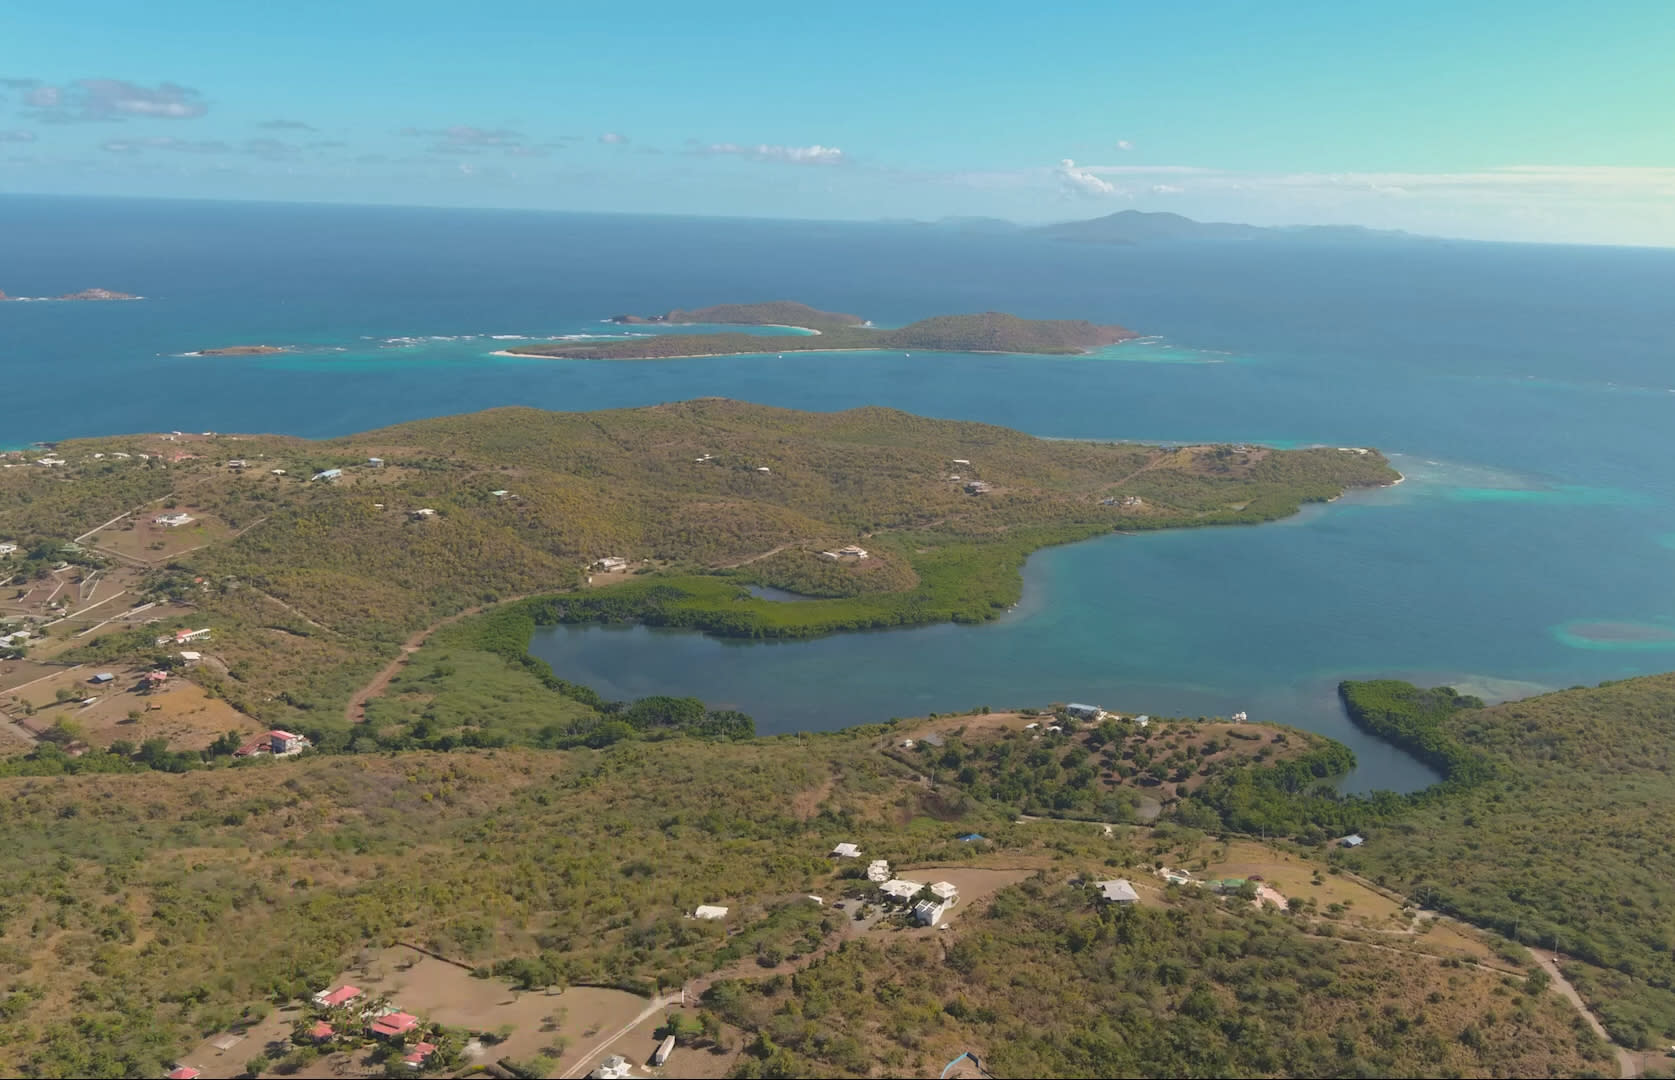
<point x="366" y="603"/>
<point x="989" y="331"/>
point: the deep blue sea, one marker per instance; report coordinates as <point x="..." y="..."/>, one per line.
<point x="1526" y="392"/>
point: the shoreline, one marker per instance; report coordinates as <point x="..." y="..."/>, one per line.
<point x="766" y="352"/>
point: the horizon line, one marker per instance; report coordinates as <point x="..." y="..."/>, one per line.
<point x="878" y="221"/>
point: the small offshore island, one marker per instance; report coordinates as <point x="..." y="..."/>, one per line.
<point x="241" y="350"/>
<point x="989" y="331"/>
<point x="85" y="294"/>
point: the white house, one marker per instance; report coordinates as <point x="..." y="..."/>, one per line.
<point x="1091" y="713"/>
<point x="8" y="549"/>
<point x="609" y="563"/>
<point x="187" y="656"/>
<point x="946" y="891"/>
<point x="615" y="1067"/>
<point x="901" y="890"/>
<point x="961" y="461"/>
<point x="172" y="521"/>
<point x="285" y="743"/>
<point x="422" y="513"/>
<point x="375" y="463"/>
<point x="846" y="851"/>
<point x="928" y="912"/>
<point x="878" y="870"/>
<point x="664" y="1049"/>
<point x="763" y="468"/>
<point x="1354" y="840"/>
<point x="709" y="911"/>
<point x="1117" y="891"/>
<point x="330" y="476"/>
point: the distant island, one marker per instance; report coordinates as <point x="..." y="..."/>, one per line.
<point x="241" y="350"/>
<point x="771" y="313"/>
<point x="1144" y="228"/>
<point x="989" y="331"/>
<point x="85" y="294"/>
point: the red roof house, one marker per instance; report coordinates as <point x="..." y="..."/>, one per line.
<point x="420" y="1052"/>
<point x="184" y="1072"/>
<point x="393" y="1024"/>
<point x="321" y="1031"/>
<point x="342" y="995"/>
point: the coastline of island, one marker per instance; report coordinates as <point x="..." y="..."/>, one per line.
<point x="983" y="332"/>
<point x="84" y="294"/>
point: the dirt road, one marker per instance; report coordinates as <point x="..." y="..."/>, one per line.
<point x="1627" y="1062"/>
<point x="355" y="711"/>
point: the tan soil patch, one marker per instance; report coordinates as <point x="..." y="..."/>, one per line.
<point x="438" y="991"/>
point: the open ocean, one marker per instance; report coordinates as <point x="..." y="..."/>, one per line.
<point x="1527" y="393"/>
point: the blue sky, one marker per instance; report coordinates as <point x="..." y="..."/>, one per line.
<point x="1548" y="121"/>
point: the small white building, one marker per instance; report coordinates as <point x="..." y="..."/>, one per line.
<point x="1117" y="891"/>
<point x="7" y="549"/>
<point x="878" y="870"/>
<point x="330" y="476"/>
<point x="187" y="656"/>
<point x="846" y="851"/>
<point x="1090" y="713"/>
<point x="615" y="1067"/>
<point x="285" y="743"/>
<point x="961" y="461"/>
<point x="946" y="891"/>
<point x="763" y="468"/>
<point x="1353" y="840"/>
<point x="610" y="563"/>
<point x="422" y="513"/>
<point x="501" y="494"/>
<point x="238" y="463"/>
<point x="929" y="912"/>
<point x="709" y="911"/>
<point x="375" y="463"/>
<point x="172" y="521"/>
<point x="901" y="890"/>
<point x="664" y="1049"/>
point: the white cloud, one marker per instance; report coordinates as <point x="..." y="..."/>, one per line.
<point x="17" y="136"/>
<point x="1167" y="189"/>
<point x="613" y="138"/>
<point x="795" y="155"/>
<point x="165" y="142"/>
<point x="286" y="125"/>
<point x="112" y="99"/>
<point x="1081" y="181"/>
<point x="1124" y="144"/>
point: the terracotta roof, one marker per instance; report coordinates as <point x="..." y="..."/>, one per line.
<point x="398" y="1023"/>
<point x="420" y="1052"/>
<point x="321" y="1030"/>
<point x="184" y="1072"/>
<point x="340" y="995"/>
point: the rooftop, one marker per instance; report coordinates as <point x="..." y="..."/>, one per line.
<point x="1117" y="891"/>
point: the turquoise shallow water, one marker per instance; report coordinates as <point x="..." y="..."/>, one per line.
<point x="1523" y="390"/>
